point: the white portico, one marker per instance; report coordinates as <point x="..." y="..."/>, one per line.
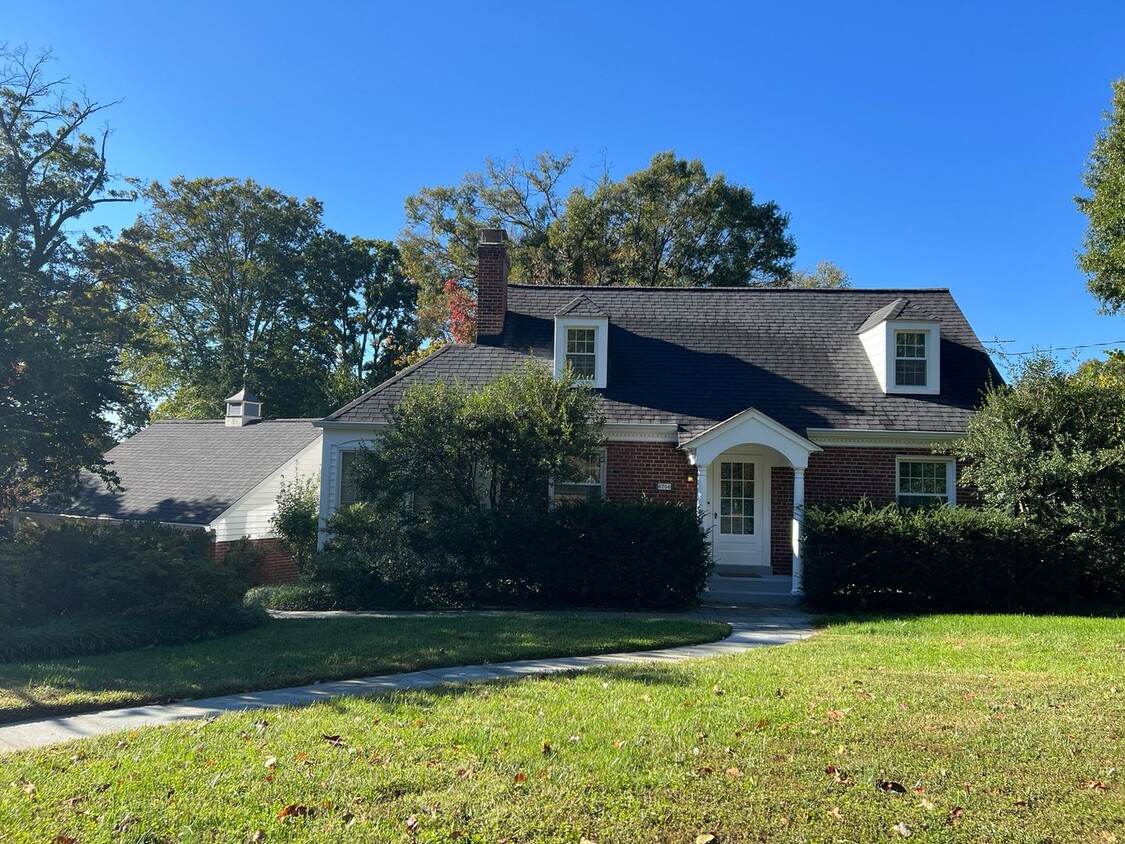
<point x="733" y="462"/>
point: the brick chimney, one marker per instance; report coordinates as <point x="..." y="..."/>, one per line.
<point x="492" y="282"/>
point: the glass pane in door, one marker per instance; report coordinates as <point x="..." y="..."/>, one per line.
<point x="736" y="497"/>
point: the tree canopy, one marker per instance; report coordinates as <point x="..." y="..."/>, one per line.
<point x="669" y="224"/>
<point x="62" y="330"/>
<point x="237" y="284"/>
<point x="1103" y="255"/>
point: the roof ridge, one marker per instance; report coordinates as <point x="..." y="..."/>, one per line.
<point x="392" y="380"/>
<point x="746" y="289"/>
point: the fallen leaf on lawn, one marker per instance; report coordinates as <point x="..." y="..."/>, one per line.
<point x="968" y="696"/>
<point x="257" y="836"/>
<point x="574" y="739"/>
<point x="704" y="838"/>
<point x="71" y="802"/>
<point x="293" y="810"/>
<point x="260" y="724"/>
<point x="835" y="714"/>
<point x="955" y="814"/>
<point x="418" y="722"/>
<point x="835" y="812"/>
<point x="333" y="740"/>
<point x="547" y="749"/>
<point x="903" y="830"/>
<point x="718" y="691"/>
<point x="28" y="788"/>
<point x="619" y="744"/>
<point x="587" y="841"/>
<point x="121" y="745"/>
<point x="688" y="703"/>
<point x="1095" y="784"/>
<point x="268" y="778"/>
<point x="411" y="823"/>
<point x="761" y="725"/>
<point x="903" y="707"/>
<point x="888" y="785"/>
<point x="457" y="833"/>
<point x="63" y="839"/>
<point x="271" y="762"/>
<point x="919" y="789"/>
<point x="646" y="699"/>
<point x="783" y="821"/>
<point x="734" y="772"/>
<point x="302" y="756"/>
<point x="705" y="772"/>
<point x="1108" y="837"/>
<point x="466" y="773"/>
<point x="928" y="805"/>
<point x="521" y="778"/>
<point x="544" y="775"/>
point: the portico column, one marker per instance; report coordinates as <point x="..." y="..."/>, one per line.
<point x="703" y="496"/>
<point x="798" y="521"/>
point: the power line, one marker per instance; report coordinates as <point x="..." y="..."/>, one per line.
<point x="1060" y="348"/>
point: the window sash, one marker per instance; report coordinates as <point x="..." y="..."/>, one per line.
<point x="910" y="358"/>
<point x="590" y="486"/>
<point x="348" y="493"/>
<point x="923" y="483"/>
<point x="581" y="351"/>
<point x="736" y="498"/>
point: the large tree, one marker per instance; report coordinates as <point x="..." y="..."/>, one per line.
<point x="670" y="223"/>
<point x="62" y="330"/>
<point x="1103" y="258"/>
<point x="237" y="284"/>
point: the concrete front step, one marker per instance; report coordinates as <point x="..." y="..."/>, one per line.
<point x="750" y="591"/>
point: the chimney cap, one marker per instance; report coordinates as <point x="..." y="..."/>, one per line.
<point x="497" y="236"/>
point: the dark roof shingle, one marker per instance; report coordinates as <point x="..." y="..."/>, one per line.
<point x="190" y="471"/>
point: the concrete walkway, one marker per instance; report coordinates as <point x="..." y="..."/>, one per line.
<point x="750" y="628"/>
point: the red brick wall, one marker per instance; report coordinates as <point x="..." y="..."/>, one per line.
<point x="634" y="469"/>
<point x="276" y="567"/>
<point x="836" y="475"/>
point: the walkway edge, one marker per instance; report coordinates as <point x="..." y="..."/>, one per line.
<point x="744" y="635"/>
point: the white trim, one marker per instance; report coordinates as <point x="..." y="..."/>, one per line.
<point x="843" y="438"/>
<point x="950" y="473"/>
<point x="629" y="432"/>
<point x="932" y="332"/>
<point x="601" y="346"/>
<point x="751" y="427"/>
<point x="332" y="424"/>
<point x="50" y="518"/>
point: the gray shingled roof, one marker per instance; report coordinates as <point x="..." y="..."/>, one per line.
<point x="190" y="471"/>
<point x="696" y="356"/>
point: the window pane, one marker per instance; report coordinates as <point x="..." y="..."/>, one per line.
<point x="348" y="492"/>
<point x="736" y="497"/>
<point x="910" y="373"/>
<point x="581" y="351"/>
<point x="923" y="483"/>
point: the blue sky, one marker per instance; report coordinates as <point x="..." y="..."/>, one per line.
<point x="913" y="144"/>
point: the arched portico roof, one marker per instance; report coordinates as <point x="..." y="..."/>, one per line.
<point x="750" y="427"/>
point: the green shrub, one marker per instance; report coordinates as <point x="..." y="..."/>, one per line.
<point x="158" y="584"/>
<point x="293" y="596"/>
<point x="638" y="554"/>
<point x="938" y="559"/>
<point x="295" y="520"/>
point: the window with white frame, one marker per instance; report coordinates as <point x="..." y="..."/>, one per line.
<point x="910" y="358"/>
<point x="582" y="352"/>
<point x="349" y="494"/>
<point x="588" y="485"/>
<point x="926" y="482"/>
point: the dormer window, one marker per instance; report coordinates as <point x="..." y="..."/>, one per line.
<point x="910" y="359"/>
<point x="904" y="352"/>
<point x="581" y="352"/>
<point x="582" y="342"/>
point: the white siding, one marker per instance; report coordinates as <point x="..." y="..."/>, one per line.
<point x="332" y="443"/>
<point x="875" y="344"/>
<point x="250" y="515"/>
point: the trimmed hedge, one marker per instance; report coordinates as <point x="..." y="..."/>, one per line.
<point x="642" y="554"/>
<point x="859" y="558"/>
<point x="83" y="588"/>
<point x="293" y="596"/>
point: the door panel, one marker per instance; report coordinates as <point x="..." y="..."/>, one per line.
<point x="737" y="500"/>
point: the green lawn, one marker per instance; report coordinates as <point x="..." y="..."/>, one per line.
<point x="948" y="729"/>
<point x="296" y="652"/>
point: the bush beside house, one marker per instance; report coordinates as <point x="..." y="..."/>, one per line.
<point x="81" y="588"/>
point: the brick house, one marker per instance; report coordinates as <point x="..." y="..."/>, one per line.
<point x="222" y="476"/>
<point x="747" y="403"/>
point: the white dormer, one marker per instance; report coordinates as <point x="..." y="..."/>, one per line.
<point x="904" y="353"/>
<point x="582" y="341"/>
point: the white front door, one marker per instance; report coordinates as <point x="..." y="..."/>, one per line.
<point x="739" y="513"/>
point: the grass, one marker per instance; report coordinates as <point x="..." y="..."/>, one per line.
<point x="981" y="729"/>
<point x="298" y="652"/>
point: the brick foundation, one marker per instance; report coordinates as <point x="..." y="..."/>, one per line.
<point x="277" y="565"/>
<point x="634" y="469"/>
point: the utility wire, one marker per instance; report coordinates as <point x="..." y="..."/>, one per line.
<point x="1060" y="348"/>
